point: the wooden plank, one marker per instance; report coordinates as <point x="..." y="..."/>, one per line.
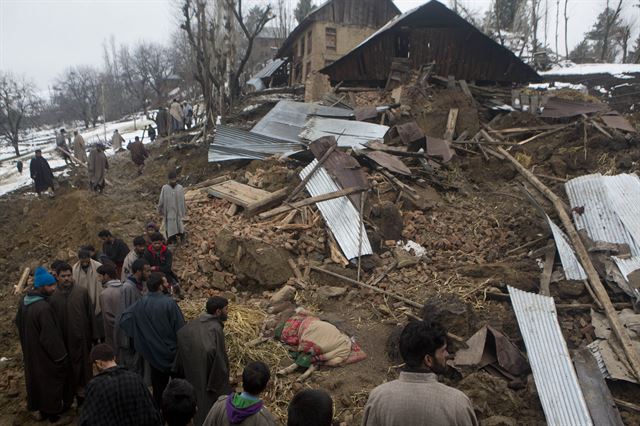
<point x="238" y="193"/>
<point x="309" y="201"/>
<point x="549" y="258"/>
<point x="597" y="395"/>
<point x="583" y="256"/>
<point x="465" y="89"/>
<point x="451" y="124"/>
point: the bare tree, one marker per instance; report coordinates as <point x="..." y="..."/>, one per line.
<point x="250" y="33"/>
<point x="557" y="23"/>
<point x="133" y="77"/>
<point x="283" y="18"/>
<point x="202" y="37"/>
<point x="78" y="92"/>
<point x="610" y="23"/>
<point x="18" y="105"/>
<point x="566" y="30"/>
<point x="623" y="36"/>
<point x="154" y="64"/>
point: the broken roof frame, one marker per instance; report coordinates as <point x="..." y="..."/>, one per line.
<point x="340" y="214"/>
<point x="555" y="377"/>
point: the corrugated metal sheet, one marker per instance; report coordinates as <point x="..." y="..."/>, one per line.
<point x="572" y="268"/>
<point x="235" y="144"/>
<point x="348" y="133"/>
<point x="627" y="266"/>
<point x="600" y="218"/>
<point x="624" y="196"/>
<point x="559" y="108"/>
<point x="287" y="119"/>
<point x="340" y="214"/>
<point x="271" y="67"/>
<point x="558" y="388"/>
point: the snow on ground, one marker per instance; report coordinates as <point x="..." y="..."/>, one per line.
<point x="616" y="70"/>
<point x="10" y="179"/>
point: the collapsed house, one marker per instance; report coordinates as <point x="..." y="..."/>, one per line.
<point x="330" y="31"/>
<point x="431" y="33"/>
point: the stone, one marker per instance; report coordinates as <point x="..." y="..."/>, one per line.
<point x="254" y="262"/>
<point x="570" y="289"/>
<point x="331" y="291"/>
<point x="404" y="258"/>
<point x="285" y="294"/>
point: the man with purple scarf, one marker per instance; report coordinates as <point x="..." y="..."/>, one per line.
<point x="245" y="408"/>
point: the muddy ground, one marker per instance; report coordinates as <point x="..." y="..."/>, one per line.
<point x="472" y="232"/>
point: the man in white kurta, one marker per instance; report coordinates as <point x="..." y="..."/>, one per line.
<point x="172" y="207"/>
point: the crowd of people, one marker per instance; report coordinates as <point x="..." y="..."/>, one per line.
<point x="74" y="151"/>
<point x="82" y="321"/>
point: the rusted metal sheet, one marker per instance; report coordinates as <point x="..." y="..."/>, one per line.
<point x="365" y="113"/>
<point x="431" y="33"/>
<point x="439" y="148"/>
<point x="411" y="135"/>
<point x="388" y="161"/>
<point x="616" y="121"/>
<point x="489" y="346"/>
<point x="597" y="395"/>
<point x="562" y="108"/>
<point x="342" y="167"/>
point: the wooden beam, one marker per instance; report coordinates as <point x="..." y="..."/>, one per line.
<point x="266" y="203"/>
<point x="452" y="120"/>
<point x="306" y="179"/>
<point x="594" y="279"/>
<point x="17" y="289"/>
<point x="549" y="258"/>
<point x="309" y="201"/>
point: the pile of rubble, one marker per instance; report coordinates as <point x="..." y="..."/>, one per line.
<point x="432" y="192"/>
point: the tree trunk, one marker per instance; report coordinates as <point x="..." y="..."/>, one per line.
<point x="16" y="148"/>
<point x="566" y="24"/>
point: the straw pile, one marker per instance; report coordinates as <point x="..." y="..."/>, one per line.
<point x="242" y="326"/>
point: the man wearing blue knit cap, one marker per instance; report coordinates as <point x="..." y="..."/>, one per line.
<point x="45" y="358"/>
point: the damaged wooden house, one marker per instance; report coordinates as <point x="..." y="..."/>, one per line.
<point x="428" y="34"/>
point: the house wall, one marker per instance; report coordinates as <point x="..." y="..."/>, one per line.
<point x="347" y="37"/>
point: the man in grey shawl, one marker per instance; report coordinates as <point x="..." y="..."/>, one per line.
<point x="173" y="208"/>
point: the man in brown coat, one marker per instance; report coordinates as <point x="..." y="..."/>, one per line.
<point x="79" y="147"/>
<point x="98" y="166"/>
<point x="417" y="398"/>
<point x="245" y="408"/>
<point x="74" y="312"/>
<point x="138" y="154"/>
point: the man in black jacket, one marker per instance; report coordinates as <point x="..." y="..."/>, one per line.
<point x="41" y="173"/>
<point x="114" y="248"/>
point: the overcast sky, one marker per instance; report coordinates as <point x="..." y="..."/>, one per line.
<point x="40" y="38"/>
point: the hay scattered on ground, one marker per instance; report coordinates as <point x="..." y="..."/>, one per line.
<point x="242" y="326"/>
